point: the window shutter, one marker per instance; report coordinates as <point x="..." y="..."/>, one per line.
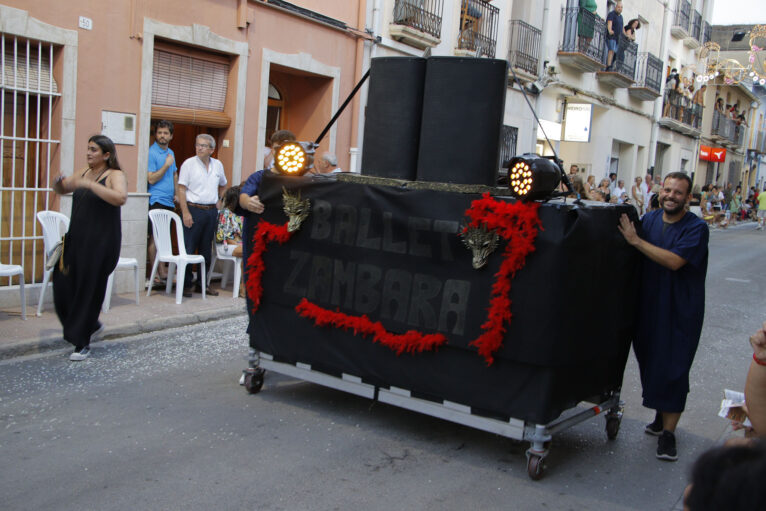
<point x="187" y="82"/>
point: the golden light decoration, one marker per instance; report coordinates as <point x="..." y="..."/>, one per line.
<point x="731" y="71"/>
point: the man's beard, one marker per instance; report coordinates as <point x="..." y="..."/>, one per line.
<point x="673" y="211"/>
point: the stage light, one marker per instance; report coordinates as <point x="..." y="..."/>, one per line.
<point x="294" y="158"/>
<point x="533" y="177"/>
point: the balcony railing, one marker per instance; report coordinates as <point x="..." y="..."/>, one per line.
<point x="648" y="72"/>
<point x="728" y="129"/>
<point x="760" y="144"/>
<point x="525" y="46"/>
<point x="682" y="109"/>
<point x="584" y="33"/>
<point x="625" y="59"/>
<point x="478" y="27"/>
<point x="423" y="15"/>
<point x="707" y="32"/>
<point x="508" y="138"/>
<point x="696" y="27"/>
<point x="683" y="14"/>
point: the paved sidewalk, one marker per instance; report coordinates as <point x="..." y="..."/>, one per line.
<point x="156" y="312"/>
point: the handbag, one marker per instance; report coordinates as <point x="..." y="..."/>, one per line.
<point x="56" y="256"/>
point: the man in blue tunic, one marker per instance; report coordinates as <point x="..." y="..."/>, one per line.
<point x="163" y="180"/>
<point x="672" y="304"/>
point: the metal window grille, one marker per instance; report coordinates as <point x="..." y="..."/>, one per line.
<point x="508" y="138"/>
<point x="187" y="82"/>
<point x="423" y="15"/>
<point x="28" y="139"/>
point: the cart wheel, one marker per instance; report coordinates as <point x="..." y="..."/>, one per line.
<point x="612" y="427"/>
<point x="535" y="467"/>
<point x="254" y="380"/>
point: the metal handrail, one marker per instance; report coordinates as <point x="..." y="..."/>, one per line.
<point x="681" y="108"/>
<point x="524" y="52"/>
<point x="478" y="27"/>
<point x="423" y="15"/>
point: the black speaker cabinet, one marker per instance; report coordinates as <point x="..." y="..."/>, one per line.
<point x="463" y="107"/>
<point x="392" y="120"/>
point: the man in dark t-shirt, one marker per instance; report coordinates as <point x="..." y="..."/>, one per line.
<point x="613" y="30"/>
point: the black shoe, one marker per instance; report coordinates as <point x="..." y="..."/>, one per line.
<point x="187" y="292"/>
<point x="655" y="428"/>
<point x="666" y="447"/>
<point x="208" y="291"/>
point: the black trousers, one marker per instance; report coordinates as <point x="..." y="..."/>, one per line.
<point x="199" y="238"/>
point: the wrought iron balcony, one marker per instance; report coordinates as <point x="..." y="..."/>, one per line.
<point x="727" y="130"/>
<point x="524" y="53"/>
<point x="478" y="28"/>
<point x="583" y="45"/>
<point x="648" y="77"/>
<point x="679" y="113"/>
<point x="695" y="31"/>
<point x="624" y="66"/>
<point x="707" y="31"/>
<point x="680" y="28"/>
<point x="417" y="22"/>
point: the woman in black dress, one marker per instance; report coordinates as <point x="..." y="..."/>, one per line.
<point x="92" y="244"/>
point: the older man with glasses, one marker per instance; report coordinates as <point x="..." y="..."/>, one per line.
<point x="201" y="183"/>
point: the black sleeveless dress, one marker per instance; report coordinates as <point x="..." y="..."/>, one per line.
<point x="91" y="251"/>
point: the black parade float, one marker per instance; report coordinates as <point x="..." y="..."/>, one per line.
<point x="435" y="283"/>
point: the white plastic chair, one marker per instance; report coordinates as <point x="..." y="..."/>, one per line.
<point x="122" y="263"/>
<point x="9" y="270"/>
<point x="219" y="254"/>
<point x="161" y="221"/>
<point x="54" y="224"/>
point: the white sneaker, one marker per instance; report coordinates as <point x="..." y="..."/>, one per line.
<point x="758" y="228"/>
<point x="242" y="379"/>
<point x="80" y="354"/>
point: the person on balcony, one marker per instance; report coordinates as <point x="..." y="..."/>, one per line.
<point x="585" y="24"/>
<point x="670" y="86"/>
<point x="614" y="26"/>
<point x="630" y="29"/>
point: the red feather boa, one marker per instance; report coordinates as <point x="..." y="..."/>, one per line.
<point x="411" y="341"/>
<point x="517" y="223"/>
<point x="264" y="233"/>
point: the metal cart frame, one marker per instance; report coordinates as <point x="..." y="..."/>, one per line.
<point x="538" y="435"/>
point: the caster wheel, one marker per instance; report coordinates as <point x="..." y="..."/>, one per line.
<point x="535" y="467"/>
<point x="612" y="427"/>
<point x="254" y="380"/>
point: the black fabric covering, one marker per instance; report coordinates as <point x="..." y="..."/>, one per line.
<point x="573" y="303"/>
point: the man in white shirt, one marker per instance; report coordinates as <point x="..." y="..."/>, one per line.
<point x="327" y="163"/>
<point x="201" y="182"/>
<point x="619" y="190"/>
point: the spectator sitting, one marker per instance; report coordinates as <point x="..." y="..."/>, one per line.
<point x="620" y="188"/>
<point x="229" y="231"/>
<point x="603" y="187"/>
<point x="327" y="163"/>
<point x="579" y="188"/>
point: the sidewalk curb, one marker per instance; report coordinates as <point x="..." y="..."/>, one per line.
<point x="56" y="342"/>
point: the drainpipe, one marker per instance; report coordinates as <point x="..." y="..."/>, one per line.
<point x="540" y="67"/>
<point x="361" y="57"/>
<point x="658" y="102"/>
<point x="370" y="51"/>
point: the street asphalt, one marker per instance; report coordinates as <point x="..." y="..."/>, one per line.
<point x="156" y="420"/>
